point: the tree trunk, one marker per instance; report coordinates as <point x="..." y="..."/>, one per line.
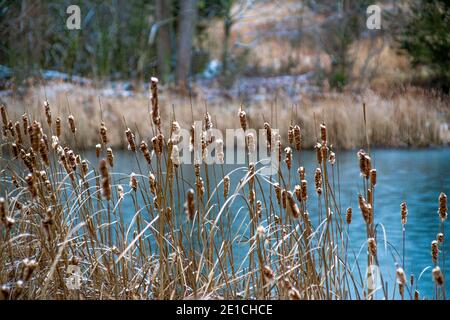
<point x="163" y="44"/>
<point x="186" y="30"/>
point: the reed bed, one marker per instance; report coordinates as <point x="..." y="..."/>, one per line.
<point x="59" y="213"/>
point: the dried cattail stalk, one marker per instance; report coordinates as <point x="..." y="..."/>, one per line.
<point x="293" y="208"/>
<point x="103" y="131"/>
<point x="152" y="182"/>
<point x="84" y="168"/>
<point x="15" y="150"/>
<point x="110" y="157"/>
<point x="28" y="269"/>
<point x="318" y="181"/>
<point x="175" y="156"/>
<point x="226" y="186"/>
<point x="332" y="158"/>
<point x="106" y="186"/>
<point x="2" y="210"/>
<point x="277" y="192"/>
<point x="268" y="135"/>
<point x="145" y="151"/>
<point x="364" y="163"/>
<point x="297" y="138"/>
<point x="440" y="237"/>
<point x="29" y="179"/>
<point x="130" y="139"/>
<point x="372" y="246"/>
<point x="155" y="104"/>
<point x="438" y="276"/>
<point x="35" y="135"/>
<point x="294" y="294"/>
<point x="243" y="119"/>
<point x="348" y="216"/>
<point x="298" y="192"/>
<point x="416" y="295"/>
<point x="304" y="187"/>
<point x="366" y="209"/>
<point x="72" y="126"/>
<point x="189" y="205"/>
<point x="301" y="173"/>
<point x="434" y="251"/>
<point x="58" y="126"/>
<point x="319" y="154"/>
<point x="403" y="212"/>
<point x="4" y="119"/>
<point x="443" y="206"/>
<point x="288" y="157"/>
<point x="98" y="149"/>
<point x="291" y="134"/>
<point x="44" y="152"/>
<point x="133" y="181"/>
<point x="25" y="123"/>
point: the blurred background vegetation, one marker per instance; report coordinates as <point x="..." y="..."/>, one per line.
<point x="180" y="41"/>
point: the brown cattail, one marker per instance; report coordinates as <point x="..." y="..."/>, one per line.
<point x="348" y="216"/>
<point x="28" y="269"/>
<point x="152" y="182"/>
<point x="293" y="208"/>
<point x="297" y="138"/>
<point x="416" y="295"/>
<point x="98" y="149"/>
<point x="133" y="181"/>
<point x="35" y="135"/>
<point x="106" y="186"/>
<point x="226" y="186"/>
<point x="298" y="192"/>
<point x="145" y="151"/>
<point x="84" y="168"/>
<point x="190" y="206"/>
<point x="58" y="126"/>
<point x="4" y="119"/>
<point x="332" y="158"/>
<point x="284" y="198"/>
<point x="364" y="163"/>
<point x="44" y="152"/>
<point x="440" y="237"/>
<point x="288" y="158"/>
<point x="72" y="126"/>
<point x="155" y="103"/>
<point x="443" y="206"/>
<point x="277" y="192"/>
<point x="318" y="181"/>
<point x="19" y="139"/>
<point x="243" y="119"/>
<point x="48" y="113"/>
<point x="318" y="148"/>
<point x="29" y="179"/>
<point x="438" y="276"/>
<point x="366" y="209"/>
<point x="268" y="134"/>
<point x="304" y="187"/>
<point x="268" y="274"/>
<point x="2" y="210"/>
<point x="434" y="251"/>
<point x="403" y="212"/>
<point x="130" y="139"/>
<point x="372" y="246"/>
<point x="291" y="134"/>
<point x="103" y="133"/>
<point x="294" y="294"/>
<point x="401" y="280"/>
<point x="110" y="157"/>
<point x="373" y="177"/>
<point x="301" y="173"/>
<point x="323" y="133"/>
<point x="15" y="150"/>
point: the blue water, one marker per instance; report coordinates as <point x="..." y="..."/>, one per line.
<point x="414" y="176"/>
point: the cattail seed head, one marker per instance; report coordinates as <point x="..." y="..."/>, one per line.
<point x="318" y="148"/>
<point x="44" y="152"/>
<point x="440" y="238"/>
<point x="25" y="123"/>
<point x="19" y="139"/>
<point x="106" y="186"/>
<point x="373" y="177"/>
<point x="190" y="206"/>
<point x="152" y="182"/>
<point x="133" y="181"/>
<point x="301" y="172"/>
<point x="401" y="277"/>
<point x="29" y="179"/>
<point x="348" y="216"/>
<point x="243" y="119"/>
<point x="364" y="163"/>
<point x="332" y="158"/>
<point x="72" y="126"/>
<point x="130" y="139"/>
<point x="288" y="158"/>
<point x="2" y="209"/>
<point x="277" y="192"/>
<point x="48" y="113"/>
<point x="318" y="181"/>
<point x="110" y="157"/>
<point x="297" y="138"/>
<point x="366" y="209"/>
<point x="291" y="135"/>
<point x="416" y="295"/>
<point x="293" y="208"/>
<point x="438" y="276"/>
<point x="372" y="246"/>
<point x="403" y="212"/>
<point x="154" y="101"/>
<point x="268" y="134"/>
<point x="98" y="149"/>
<point x="323" y="133"/>
<point x="443" y="206"/>
<point x="268" y="274"/>
<point x="146" y="152"/>
<point x="226" y="186"/>
<point x="103" y="131"/>
<point x="58" y="126"/>
<point x="434" y="251"/>
<point x="304" y="189"/>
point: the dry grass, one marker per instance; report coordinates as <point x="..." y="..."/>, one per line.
<point x="57" y="210"/>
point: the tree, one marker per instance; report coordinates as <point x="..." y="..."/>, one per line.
<point x="186" y="30"/>
<point x="163" y="44"/>
<point x="426" y="39"/>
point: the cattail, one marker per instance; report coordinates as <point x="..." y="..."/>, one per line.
<point x="130" y="139"/>
<point x="297" y="138"/>
<point x="369" y="196"/>
<point x="133" y="181"/>
<point x="323" y="133"/>
<point x="372" y="246"/>
<point x="304" y="187"/>
<point x="401" y="280"/>
<point x="268" y="274"/>
<point x="103" y="131"/>
<point x="261" y="231"/>
<point x="4" y="119"/>
<point x="106" y="186"/>
<point x="284" y="198"/>
<point x="259" y="209"/>
<point x="364" y="163"/>
<point x="366" y="209"/>
<point x="190" y="206"/>
<point x="29" y="267"/>
<point x="440" y="237"/>
<point x="207" y="121"/>
<point x="2" y="210"/>
<point x="291" y="134"/>
<point x="298" y="192"/>
<point x="19" y="140"/>
<point x="35" y="135"/>
<point x="48" y="113"/>
<point x="145" y="151"/>
<point x="332" y="158"/>
<point x="288" y="157"/>
<point x="25" y="123"/>
<point x="72" y="126"/>
<point x="176" y="129"/>
<point x="438" y="276"/>
<point x="197" y="170"/>
<point x="416" y="295"/>
<point x="373" y="177"/>
<point x="15" y="150"/>
<point x="98" y="149"/>
<point x="411" y="280"/>
<point x="318" y="181"/>
<point x="44" y="152"/>
<point x="268" y="134"/>
<point x="175" y="156"/>
<point x="11" y="128"/>
<point x="251" y="145"/>
<point x="220" y="157"/>
<point x="293" y="208"/>
<point x="243" y="119"/>
<point x="31" y="187"/>
<point x="226" y="186"/>
<point x="443" y="206"/>
<point x="152" y="182"/>
<point x="58" y="126"/>
<point x="319" y="154"/>
<point x="301" y="173"/>
<point x="349" y="214"/>
<point x="434" y="251"/>
<point x="84" y="168"/>
<point x="110" y="157"/>
<point x="294" y="294"/>
<point x="154" y="100"/>
<point x="200" y="186"/>
<point x="403" y="212"/>
<point x="277" y="192"/>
